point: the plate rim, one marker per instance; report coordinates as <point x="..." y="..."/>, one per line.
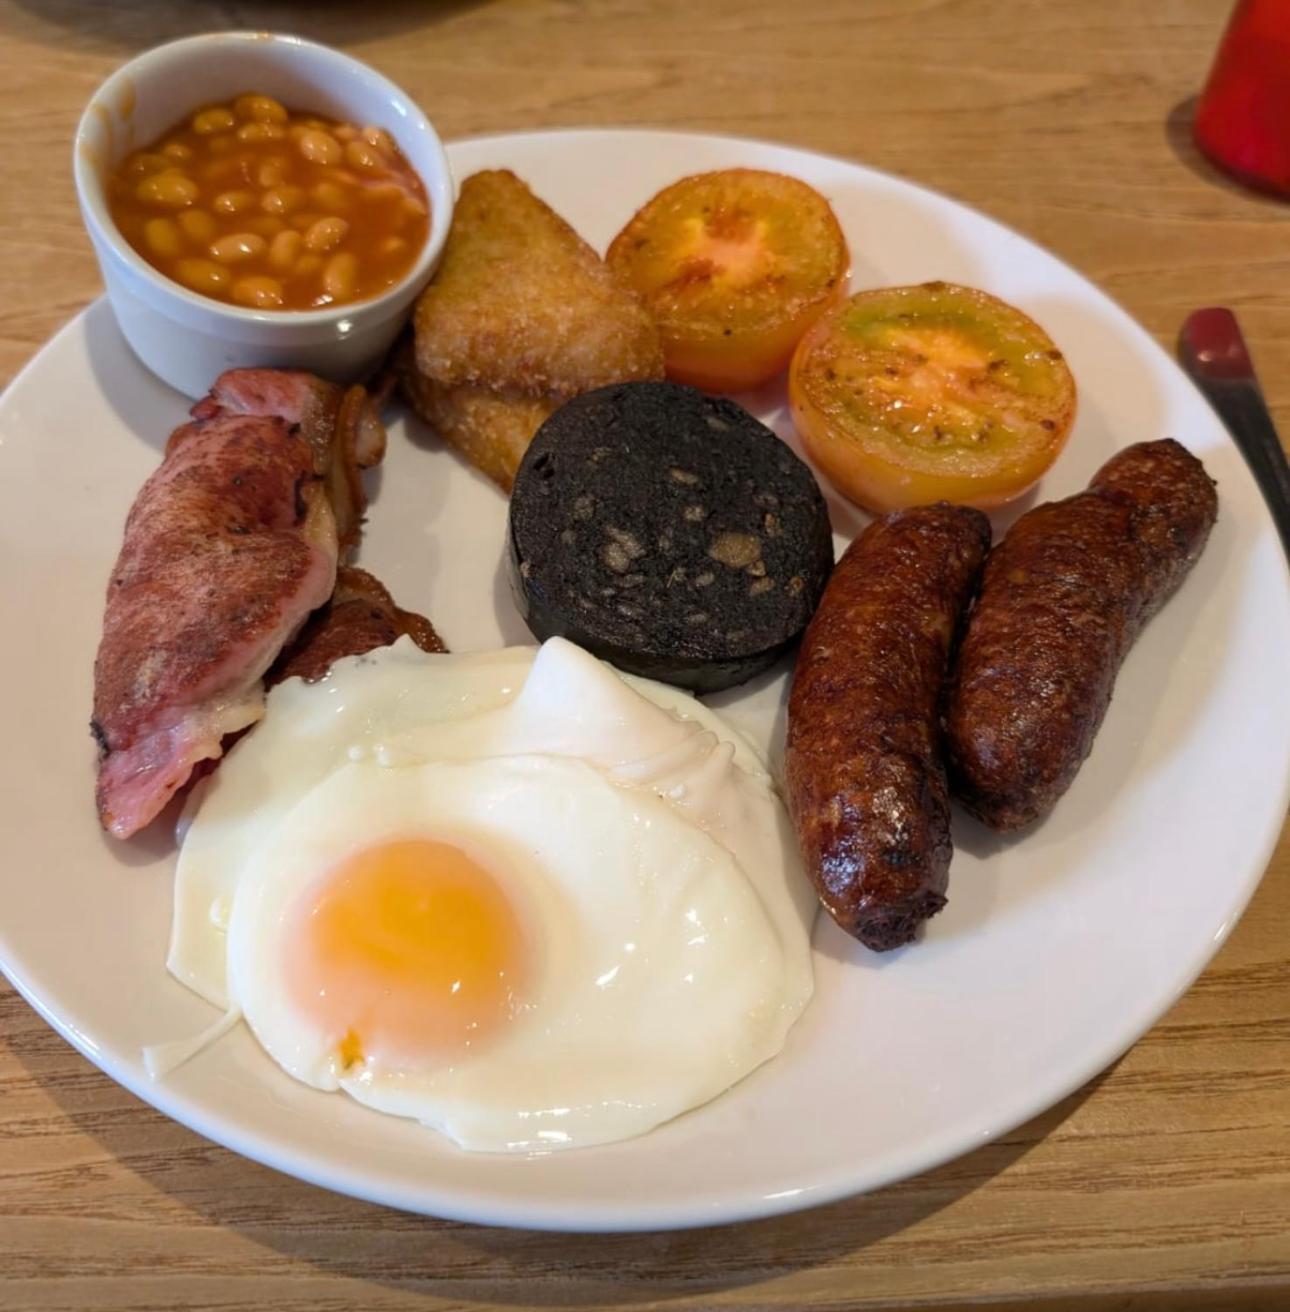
<point x="483" y="1206"/>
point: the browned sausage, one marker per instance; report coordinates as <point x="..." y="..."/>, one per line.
<point x="1063" y="597"/>
<point x="866" y="785"/>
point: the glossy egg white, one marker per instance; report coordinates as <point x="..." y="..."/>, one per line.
<point x="640" y="841"/>
<point x="658" y="980"/>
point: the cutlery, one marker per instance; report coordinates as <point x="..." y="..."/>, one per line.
<point x="1215" y="356"/>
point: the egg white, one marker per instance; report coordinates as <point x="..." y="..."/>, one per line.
<point x="614" y="811"/>
<point x="363" y="706"/>
<point x="659" y="978"/>
<point x="309" y="730"/>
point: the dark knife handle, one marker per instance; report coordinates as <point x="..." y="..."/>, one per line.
<point x="1241" y="407"/>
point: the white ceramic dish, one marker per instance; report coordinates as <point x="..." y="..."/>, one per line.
<point x="1056" y="951"/>
<point x="187" y="339"/>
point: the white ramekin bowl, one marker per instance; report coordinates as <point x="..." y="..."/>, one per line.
<point x="188" y="339"/>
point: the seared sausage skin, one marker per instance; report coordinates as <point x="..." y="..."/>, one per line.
<point x="1063" y="597"/>
<point x="866" y="784"/>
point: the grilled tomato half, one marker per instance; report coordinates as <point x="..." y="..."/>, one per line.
<point x="910" y="395"/>
<point x="735" y="266"/>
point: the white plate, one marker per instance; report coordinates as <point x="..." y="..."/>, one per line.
<point x="1056" y="951"/>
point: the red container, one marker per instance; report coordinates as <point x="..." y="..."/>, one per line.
<point x="1243" y="118"/>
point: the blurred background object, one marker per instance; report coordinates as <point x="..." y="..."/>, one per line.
<point x="1243" y="117"/>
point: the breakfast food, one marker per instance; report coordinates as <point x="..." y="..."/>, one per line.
<point x="341" y="425"/>
<point x="670" y="533"/>
<point x="863" y="767"/>
<point x="525" y="901"/>
<point x="911" y="395"/>
<point x="521" y="316"/>
<point x="227" y="548"/>
<point x="735" y="266"/>
<point x="1063" y="598"/>
<point x="359" y="617"/>
<point x="271" y="209"/>
<point x="491" y="427"/>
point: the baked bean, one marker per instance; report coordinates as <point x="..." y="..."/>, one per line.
<point x="330" y="196"/>
<point x="145" y="162"/>
<point x="197" y="226"/>
<point x="163" y="238"/>
<point x="320" y="147"/>
<point x="282" y="200"/>
<point x="364" y="156"/>
<point x="221" y="173"/>
<point x="267" y="225"/>
<point x="272" y="173"/>
<point x="171" y="188"/>
<point x="326" y="234"/>
<point x="379" y="138"/>
<point x="237" y="247"/>
<point x="203" y="276"/>
<point x="234" y="202"/>
<point x="340" y="276"/>
<point x="284" y="249"/>
<point x="261" y="132"/>
<point x="263" y="109"/>
<point x="262" y="292"/>
<point x="207" y="122"/>
<point x="380" y="192"/>
<point x="253" y="203"/>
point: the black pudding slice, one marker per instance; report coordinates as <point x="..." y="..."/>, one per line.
<point x="668" y="532"/>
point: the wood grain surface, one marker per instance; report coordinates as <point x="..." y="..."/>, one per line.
<point x="1165" y="1184"/>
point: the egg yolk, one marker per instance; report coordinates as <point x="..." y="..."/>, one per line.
<point x="405" y="950"/>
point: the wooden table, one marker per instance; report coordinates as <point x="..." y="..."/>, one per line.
<point x="1165" y="1184"/>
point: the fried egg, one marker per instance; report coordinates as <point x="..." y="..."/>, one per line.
<point x="521" y="899"/>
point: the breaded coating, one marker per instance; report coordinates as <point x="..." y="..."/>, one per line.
<point x="491" y="428"/>
<point x="521" y="316"/>
<point x="522" y="302"/>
